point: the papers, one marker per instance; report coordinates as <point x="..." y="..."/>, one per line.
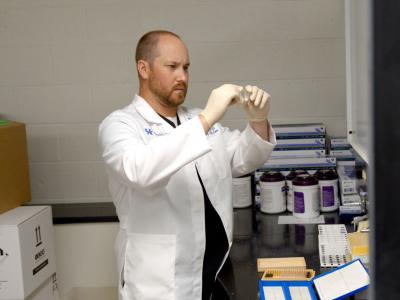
<point x="296" y="293"/>
<point x="346" y="280"/>
<point x="299" y="293"/>
<point x="286" y="290"/>
<point x="274" y="293"/>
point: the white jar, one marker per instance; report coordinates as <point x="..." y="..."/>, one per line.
<point x="328" y="185"/>
<point x="289" y="187"/>
<point x="306" y="196"/>
<point x="241" y="191"/>
<point x="272" y="193"/>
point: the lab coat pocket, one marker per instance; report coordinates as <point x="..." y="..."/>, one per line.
<point x="149" y="270"/>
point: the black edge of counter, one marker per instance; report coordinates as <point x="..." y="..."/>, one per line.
<point x="70" y="213"/>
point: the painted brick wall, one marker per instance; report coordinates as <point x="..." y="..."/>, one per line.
<point x="66" y="64"/>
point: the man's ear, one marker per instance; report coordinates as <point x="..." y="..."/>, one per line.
<point x="143" y="69"/>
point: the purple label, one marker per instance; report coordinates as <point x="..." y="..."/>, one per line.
<point x="298" y="202"/>
<point x="328" y="196"/>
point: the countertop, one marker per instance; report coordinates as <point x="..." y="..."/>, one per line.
<point x="258" y="235"/>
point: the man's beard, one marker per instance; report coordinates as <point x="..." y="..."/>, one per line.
<point x="168" y="98"/>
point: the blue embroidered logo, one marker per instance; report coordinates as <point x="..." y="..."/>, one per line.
<point x="212" y="131"/>
<point x="148" y="131"/>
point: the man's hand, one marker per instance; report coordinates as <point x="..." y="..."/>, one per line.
<point x="218" y="103"/>
<point x="256" y="103"/>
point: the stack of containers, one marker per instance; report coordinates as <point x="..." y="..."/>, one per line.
<point x="351" y="201"/>
<point x="347" y="165"/>
<point x="27" y="256"/>
<point x="299" y="140"/>
<point x="300" y="148"/>
<point x="340" y="148"/>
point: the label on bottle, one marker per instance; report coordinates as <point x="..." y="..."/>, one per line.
<point x="328" y="196"/>
<point x="298" y="202"/>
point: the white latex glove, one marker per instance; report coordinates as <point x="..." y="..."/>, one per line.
<point x="256" y="103"/>
<point x="219" y="101"/>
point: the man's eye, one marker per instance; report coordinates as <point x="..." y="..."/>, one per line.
<point x="172" y="66"/>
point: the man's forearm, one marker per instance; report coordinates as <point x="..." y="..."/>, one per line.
<point x="261" y="128"/>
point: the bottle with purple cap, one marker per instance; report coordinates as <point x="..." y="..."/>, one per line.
<point x="306" y="196"/>
<point x="272" y="192"/>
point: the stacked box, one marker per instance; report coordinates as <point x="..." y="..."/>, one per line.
<point x="310" y="130"/>
<point x="14" y="170"/>
<point x="308" y="143"/>
<point x="299" y="140"/>
<point x="299" y="146"/>
<point x="340" y="148"/>
<point x="304" y="163"/>
<point x="347" y="163"/>
<point x="339" y="142"/>
<point x="27" y="251"/>
<point x="347" y="180"/>
<point x="349" y="185"/>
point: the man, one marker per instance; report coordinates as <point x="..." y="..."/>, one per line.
<point x="170" y="171"/>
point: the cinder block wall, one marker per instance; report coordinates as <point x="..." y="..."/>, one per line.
<point x="66" y="64"/>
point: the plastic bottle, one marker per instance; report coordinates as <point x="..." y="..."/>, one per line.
<point x="272" y="192"/>
<point x="306" y="196"/>
<point x="328" y="184"/>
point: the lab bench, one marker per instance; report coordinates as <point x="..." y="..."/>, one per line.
<point x="255" y="235"/>
<point x="258" y="235"/>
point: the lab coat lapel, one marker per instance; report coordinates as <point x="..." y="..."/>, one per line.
<point x="157" y="124"/>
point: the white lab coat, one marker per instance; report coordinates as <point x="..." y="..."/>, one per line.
<point x="158" y="197"/>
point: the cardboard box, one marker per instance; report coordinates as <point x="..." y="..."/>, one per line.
<point x="341" y="152"/>
<point x="347" y="180"/>
<point x="339" y="142"/>
<point x="352" y="199"/>
<point x="300" y="143"/>
<point x="301" y="163"/>
<point x="355" y="209"/>
<point x="278" y="153"/>
<point x="283" y="131"/>
<point x="27" y="246"/>
<point x="14" y="171"/>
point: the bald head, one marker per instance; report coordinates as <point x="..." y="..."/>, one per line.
<point x="146" y="48"/>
